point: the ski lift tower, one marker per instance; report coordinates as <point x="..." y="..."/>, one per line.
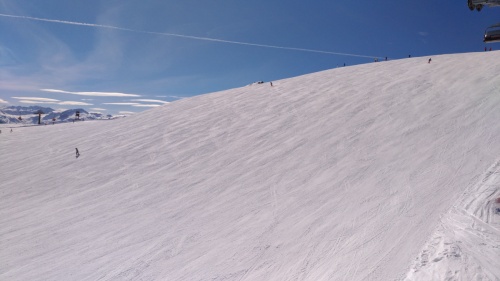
<point x="39" y="112"/>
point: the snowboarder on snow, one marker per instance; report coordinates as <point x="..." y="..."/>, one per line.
<point x="77" y="153"/>
<point x="429" y="61"/>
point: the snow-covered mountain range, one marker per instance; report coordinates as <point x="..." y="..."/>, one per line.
<point x="28" y="115"/>
<point x="383" y="171"/>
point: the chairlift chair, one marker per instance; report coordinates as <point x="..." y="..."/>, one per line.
<point x="492" y="34"/>
<point x="479" y="4"/>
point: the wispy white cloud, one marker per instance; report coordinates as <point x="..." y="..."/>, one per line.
<point x="74" y="103"/>
<point x="98" y="109"/>
<point x="146" y="105"/>
<point x="3" y="101"/>
<point x="36" y="99"/>
<point x="95" y="94"/>
<point x="149" y="100"/>
<point x="39" y="100"/>
<point x="176" y="97"/>
<point x="55" y="66"/>
<point x="121" y="103"/>
<point x="126" y="112"/>
<point x="172" y="97"/>
<point x="135" y="104"/>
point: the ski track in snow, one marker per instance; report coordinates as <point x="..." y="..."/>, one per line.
<point x="336" y="175"/>
<point x="466" y="245"/>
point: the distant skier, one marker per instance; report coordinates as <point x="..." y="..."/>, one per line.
<point x="77" y="153"/>
<point x="11" y="130"/>
<point x="429" y="61"/>
<point x="271" y="83"/>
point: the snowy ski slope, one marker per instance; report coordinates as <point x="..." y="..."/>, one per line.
<point x="383" y="171"/>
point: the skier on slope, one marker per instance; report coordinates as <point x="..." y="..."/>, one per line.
<point x="77" y="153"/>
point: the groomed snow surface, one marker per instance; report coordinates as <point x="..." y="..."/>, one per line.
<point x="383" y="171"/>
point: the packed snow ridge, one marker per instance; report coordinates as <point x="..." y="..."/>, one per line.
<point x="383" y="171"/>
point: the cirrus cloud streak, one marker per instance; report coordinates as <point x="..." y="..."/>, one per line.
<point x="36" y="99"/>
<point x="94" y="94"/>
<point x="121" y="103"/>
<point x="39" y="100"/>
<point x="146" y="105"/>
<point x="149" y="100"/>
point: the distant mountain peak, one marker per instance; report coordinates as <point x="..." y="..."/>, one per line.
<point x="28" y="115"/>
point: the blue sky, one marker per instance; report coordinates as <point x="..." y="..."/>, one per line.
<point x="128" y="56"/>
